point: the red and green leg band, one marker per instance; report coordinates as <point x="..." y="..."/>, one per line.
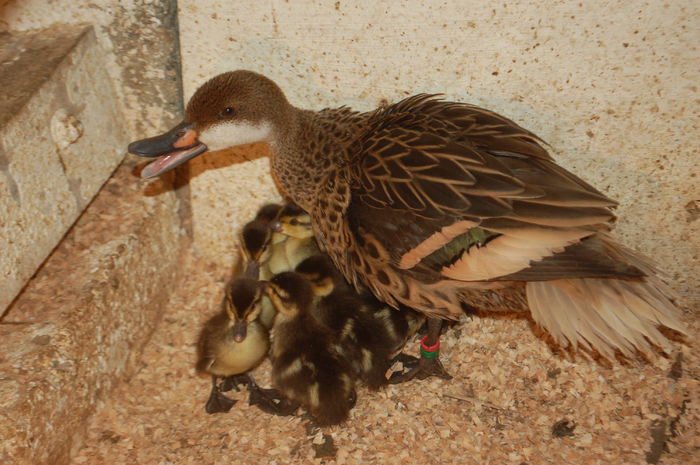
<point x="429" y="351"/>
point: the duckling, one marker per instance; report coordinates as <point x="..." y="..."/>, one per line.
<point x="307" y="366"/>
<point x="276" y="240"/>
<point x="234" y="341"/>
<point x="257" y="240"/>
<point x="369" y="333"/>
<point x="294" y="224"/>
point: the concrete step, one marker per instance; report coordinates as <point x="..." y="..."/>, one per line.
<point x="79" y="326"/>
<point x="61" y="136"/>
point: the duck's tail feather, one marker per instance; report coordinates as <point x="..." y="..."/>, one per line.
<point x="607" y="314"/>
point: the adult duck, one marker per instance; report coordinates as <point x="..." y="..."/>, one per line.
<point x="440" y="206"/>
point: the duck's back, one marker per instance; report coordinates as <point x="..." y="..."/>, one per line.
<point x="440" y="204"/>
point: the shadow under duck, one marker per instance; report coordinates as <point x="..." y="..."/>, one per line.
<point x="435" y="204"/>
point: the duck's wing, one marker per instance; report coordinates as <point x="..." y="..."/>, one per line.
<point x="464" y="182"/>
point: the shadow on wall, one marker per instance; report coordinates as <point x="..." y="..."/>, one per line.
<point x="183" y="174"/>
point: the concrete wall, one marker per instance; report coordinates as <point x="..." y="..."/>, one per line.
<point x="139" y="42"/>
<point x="612" y="86"/>
<point x="119" y="85"/>
<point x="78" y="327"/>
<point x="61" y="137"/>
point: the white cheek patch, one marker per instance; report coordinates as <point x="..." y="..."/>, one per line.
<point x="227" y="135"/>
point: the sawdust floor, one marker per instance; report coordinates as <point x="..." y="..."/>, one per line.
<point x="508" y="392"/>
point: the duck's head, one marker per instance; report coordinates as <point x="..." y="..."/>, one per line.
<point x="255" y="239"/>
<point x="290" y="293"/>
<point x="268" y="212"/>
<point x="242" y="305"/>
<point x="294" y="222"/>
<point x="320" y="272"/>
<point x="231" y="109"/>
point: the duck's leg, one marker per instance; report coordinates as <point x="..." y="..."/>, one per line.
<point x="233" y="381"/>
<point x="270" y="400"/>
<point x="429" y="363"/>
<point x="217" y="402"/>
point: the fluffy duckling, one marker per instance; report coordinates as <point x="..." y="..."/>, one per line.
<point x="294" y="224"/>
<point x="234" y="341"/>
<point x="257" y="241"/>
<point x="307" y="365"/>
<point x="368" y="332"/>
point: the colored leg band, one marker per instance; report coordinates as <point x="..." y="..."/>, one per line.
<point x="429" y="351"/>
<point x="426" y="354"/>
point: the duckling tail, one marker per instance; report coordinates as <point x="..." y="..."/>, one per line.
<point x="607" y="314"/>
<point x="331" y="403"/>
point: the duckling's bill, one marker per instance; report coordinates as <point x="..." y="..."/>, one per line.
<point x="240" y="330"/>
<point x="172" y="149"/>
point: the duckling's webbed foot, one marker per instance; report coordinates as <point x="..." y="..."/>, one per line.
<point x="271" y="401"/>
<point x="429" y="364"/>
<point x="218" y="402"/>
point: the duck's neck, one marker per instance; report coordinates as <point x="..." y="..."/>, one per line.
<point x="307" y="147"/>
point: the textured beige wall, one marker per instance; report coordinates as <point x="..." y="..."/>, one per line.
<point x="612" y="86"/>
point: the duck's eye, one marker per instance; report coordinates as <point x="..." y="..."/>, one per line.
<point x="294" y="222"/>
<point x="227" y="112"/>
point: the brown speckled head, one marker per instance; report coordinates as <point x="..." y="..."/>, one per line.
<point x="236" y="108"/>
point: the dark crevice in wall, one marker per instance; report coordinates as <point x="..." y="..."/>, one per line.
<point x="5" y="169"/>
<point x="154" y="31"/>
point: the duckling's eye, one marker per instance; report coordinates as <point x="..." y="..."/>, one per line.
<point x="294" y="222"/>
<point x="227" y="112"/>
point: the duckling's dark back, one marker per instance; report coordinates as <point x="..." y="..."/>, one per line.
<point x="367" y="331"/>
<point x="307" y="367"/>
<point x="364" y="340"/>
<point x="306" y="363"/>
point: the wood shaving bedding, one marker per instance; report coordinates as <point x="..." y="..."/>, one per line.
<point x="506" y="404"/>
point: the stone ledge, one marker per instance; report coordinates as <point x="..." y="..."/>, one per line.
<point x="61" y="137"/>
<point x="80" y="324"/>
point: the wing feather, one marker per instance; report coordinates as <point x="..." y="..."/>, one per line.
<point x="433" y="163"/>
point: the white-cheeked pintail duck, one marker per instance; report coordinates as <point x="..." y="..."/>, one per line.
<point x="439" y="206"/>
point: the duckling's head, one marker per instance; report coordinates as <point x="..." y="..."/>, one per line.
<point x="242" y="305"/>
<point x="320" y="271"/>
<point x="294" y="222"/>
<point x="268" y="212"/>
<point x="231" y="109"/>
<point x="255" y="245"/>
<point x="290" y="293"/>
